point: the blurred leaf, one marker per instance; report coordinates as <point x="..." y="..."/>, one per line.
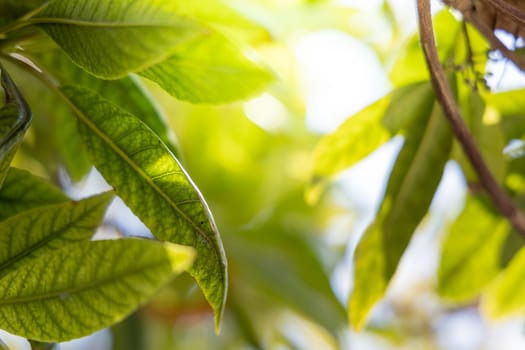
<point x="410" y="66"/>
<point x="23" y="190"/>
<point x="219" y="16"/>
<point x="127" y="92"/>
<point x="43" y="230"/>
<point x="285" y="268"/>
<point x="364" y="132"/>
<point x="86" y="286"/>
<point x="210" y="69"/>
<point x="504" y="297"/>
<point x="13" y="9"/>
<point x="489" y="138"/>
<point x="153" y="184"/>
<point x="470" y="257"/>
<point x="411" y="186"/>
<point x="15" y="117"/>
<point x="112" y="38"/>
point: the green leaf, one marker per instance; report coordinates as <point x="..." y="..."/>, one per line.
<point x="15" y="117"/>
<point x="210" y="69"/>
<point x="13" y="9"/>
<point x="111" y="38"/>
<point x="127" y="92"/>
<point x="153" y="184"/>
<point x="505" y="296"/>
<point x="364" y="132"/>
<point x="23" y="190"/>
<point x="470" y="257"/>
<point x="86" y="286"/>
<point x="410" y="189"/>
<point x="42" y="230"/>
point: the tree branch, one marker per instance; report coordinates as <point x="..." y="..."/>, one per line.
<point x="446" y="99"/>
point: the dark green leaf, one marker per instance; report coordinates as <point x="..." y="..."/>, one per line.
<point x="86" y="286"/>
<point x="210" y="69"/>
<point x="111" y="38"/>
<point x="39" y="231"/>
<point x="410" y="189"/>
<point x="23" y="190"/>
<point x="153" y="184"/>
<point x="15" y="117"/>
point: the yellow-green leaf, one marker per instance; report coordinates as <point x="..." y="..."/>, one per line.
<point x="86" y="286"/>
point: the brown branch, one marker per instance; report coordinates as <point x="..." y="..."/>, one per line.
<point x="450" y="108"/>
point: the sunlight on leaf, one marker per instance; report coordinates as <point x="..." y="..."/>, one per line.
<point x="86" y="286"/>
<point x="153" y="184"/>
<point x="42" y="230"/>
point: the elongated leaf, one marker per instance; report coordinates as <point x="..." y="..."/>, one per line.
<point x="153" y="184"/>
<point x="364" y="132"/>
<point x="41" y="230"/>
<point x="505" y="296"/>
<point x="111" y="38"/>
<point x="23" y="190"/>
<point x="15" y="117"/>
<point x="210" y="69"/>
<point x="410" y="189"/>
<point x="127" y="92"/>
<point x="86" y="286"/>
<point x="470" y="256"/>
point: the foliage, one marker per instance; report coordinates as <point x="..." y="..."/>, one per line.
<point x="86" y="84"/>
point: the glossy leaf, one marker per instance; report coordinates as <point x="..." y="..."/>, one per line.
<point x="210" y="69"/>
<point x="42" y="230"/>
<point x="23" y="190"/>
<point x="15" y="117"/>
<point x="153" y="184"/>
<point x="410" y="189"/>
<point x="470" y="257"/>
<point x="504" y="297"/>
<point x="86" y="286"/>
<point x="111" y="38"/>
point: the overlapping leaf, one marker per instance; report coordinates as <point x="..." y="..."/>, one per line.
<point x="153" y="184"/>
<point x="38" y="231"/>
<point x="86" y="286"/>
<point x="410" y="189"/>
<point x="473" y="244"/>
<point x="111" y="38"/>
<point x="23" y="190"/>
<point x="210" y="69"/>
<point x="15" y="117"/>
<point x="127" y="92"/>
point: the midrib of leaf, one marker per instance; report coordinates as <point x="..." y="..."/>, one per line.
<point x="422" y="149"/>
<point x="142" y="174"/>
<point x="71" y="291"/>
<point x="106" y="139"/>
<point x="41" y="243"/>
<point x="85" y="23"/>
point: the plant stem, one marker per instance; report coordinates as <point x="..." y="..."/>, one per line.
<point x="450" y="108"/>
<point x="24" y="20"/>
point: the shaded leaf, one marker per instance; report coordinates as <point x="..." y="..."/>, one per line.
<point x="210" y="69"/>
<point x="13" y="9"/>
<point x="23" y="190"/>
<point x="411" y="186"/>
<point x="86" y="286"/>
<point x="15" y="117"/>
<point x="112" y="38"/>
<point x="41" y="230"/>
<point x="153" y="184"/>
<point x="470" y="257"/>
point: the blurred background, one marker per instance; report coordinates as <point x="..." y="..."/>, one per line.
<point x="290" y="257"/>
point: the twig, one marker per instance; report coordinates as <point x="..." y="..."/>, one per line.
<point x="446" y="99"/>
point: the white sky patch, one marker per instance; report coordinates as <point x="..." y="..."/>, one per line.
<point x="340" y="76"/>
<point x="267" y="112"/>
